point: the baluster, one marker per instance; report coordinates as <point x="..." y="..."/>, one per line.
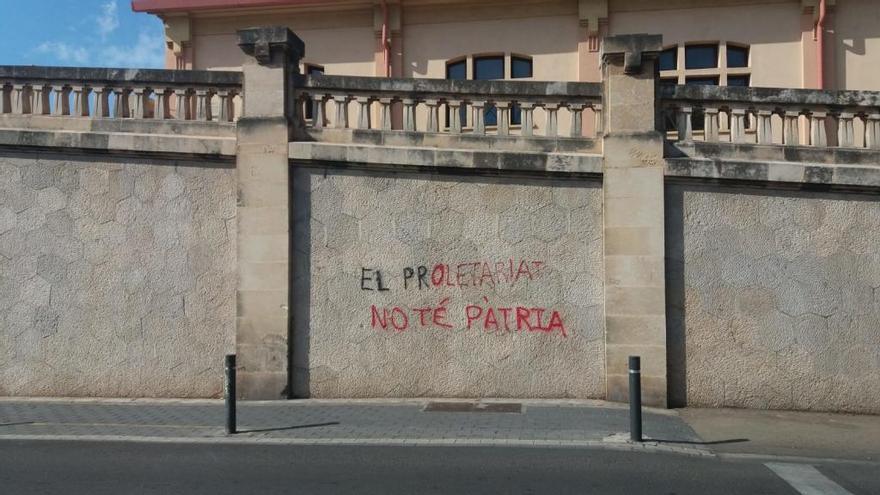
<point x="737" y="125"/>
<point x="121" y="108"/>
<point x="162" y="110"/>
<point x="319" y="111"/>
<point x="599" y="120"/>
<point x="39" y="97"/>
<point x="872" y="131"/>
<point x="5" y="98"/>
<point x="363" y="112"/>
<point x="181" y="107"/>
<point x="577" y="119"/>
<point x="453" y="107"/>
<point x="203" y="104"/>
<point x="341" y="102"/>
<point x="225" y="108"/>
<point x="102" y="102"/>
<point x="710" y="124"/>
<point x="791" y="134"/>
<point x="433" y="115"/>
<point x="817" y="129"/>
<point x="845" y="131"/>
<point x="527" y="110"/>
<point x="385" y="113"/>
<point x="62" y="100"/>
<point x="140" y="102"/>
<point x="551" y="111"/>
<point x="18" y="99"/>
<point x="409" y="114"/>
<point x="503" y="112"/>
<point x="765" y="126"/>
<point x="81" y="100"/>
<point x="684" y="123"/>
<point x="479" y="115"/>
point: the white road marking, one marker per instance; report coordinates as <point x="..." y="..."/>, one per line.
<point x="806" y="479"/>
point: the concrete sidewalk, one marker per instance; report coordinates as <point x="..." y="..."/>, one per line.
<point x="589" y="424"/>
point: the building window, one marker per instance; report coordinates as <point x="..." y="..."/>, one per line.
<point x="520" y="67"/>
<point x="312" y="70"/>
<point x="486" y="68"/>
<point x="700" y="56"/>
<point x="669" y="59"/>
<point x="737" y="56"/>
<point x="723" y="64"/>
<point x="742" y="81"/>
<point x="702" y="81"/>
<point x="456" y="70"/>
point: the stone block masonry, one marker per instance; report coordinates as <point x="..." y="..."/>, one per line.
<point x="117" y="275"/>
<point x="454" y="286"/>
<point x="773" y="299"/>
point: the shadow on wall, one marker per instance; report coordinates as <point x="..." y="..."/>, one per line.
<point x="298" y="372"/>
<point x="676" y="344"/>
<point x="855" y="36"/>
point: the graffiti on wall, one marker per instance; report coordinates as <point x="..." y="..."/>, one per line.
<point x="480" y="314"/>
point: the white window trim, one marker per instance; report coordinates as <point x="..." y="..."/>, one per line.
<point x="680" y="73"/>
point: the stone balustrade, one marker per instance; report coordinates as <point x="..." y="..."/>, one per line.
<point x="100" y="93"/>
<point x="770" y="116"/>
<point x="496" y="107"/>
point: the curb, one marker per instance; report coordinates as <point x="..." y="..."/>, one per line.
<point x="648" y="447"/>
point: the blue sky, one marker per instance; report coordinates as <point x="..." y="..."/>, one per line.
<point x="85" y="33"/>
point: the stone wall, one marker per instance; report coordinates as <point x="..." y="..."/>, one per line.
<point x="516" y="266"/>
<point x="772" y="299"/>
<point x="117" y="275"/>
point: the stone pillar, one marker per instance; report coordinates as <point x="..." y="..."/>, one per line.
<point x="262" y="339"/>
<point x="635" y="290"/>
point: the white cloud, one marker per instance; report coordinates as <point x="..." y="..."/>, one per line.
<point x="147" y="52"/>
<point x="67" y="54"/>
<point x="108" y="19"/>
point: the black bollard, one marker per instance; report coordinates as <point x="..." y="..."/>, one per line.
<point x="635" y="399"/>
<point x="229" y="390"/>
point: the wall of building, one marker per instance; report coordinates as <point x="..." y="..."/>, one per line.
<point x="487" y="247"/>
<point x="342" y="42"/>
<point x="772" y="30"/>
<point x="118" y="275"/>
<point x="855" y="44"/>
<point x="772" y="299"/>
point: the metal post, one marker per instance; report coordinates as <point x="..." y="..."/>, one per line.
<point x="635" y="398"/>
<point x="229" y="390"/>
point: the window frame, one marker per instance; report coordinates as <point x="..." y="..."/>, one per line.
<point x="681" y="74"/>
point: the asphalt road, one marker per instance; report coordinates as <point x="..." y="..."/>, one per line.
<point x="118" y="468"/>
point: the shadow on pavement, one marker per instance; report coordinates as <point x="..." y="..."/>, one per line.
<point x="282" y="428"/>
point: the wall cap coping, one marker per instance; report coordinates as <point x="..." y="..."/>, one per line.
<point x="264" y="42"/>
<point x="401" y="86"/>
<point x="347" y="155"/>
<point x="147" y="144"/>
<point x="768" y="173"/>
<point x="633" y="47"/>
<point x="113" y="76"/>
<point x="780" y="96"/>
